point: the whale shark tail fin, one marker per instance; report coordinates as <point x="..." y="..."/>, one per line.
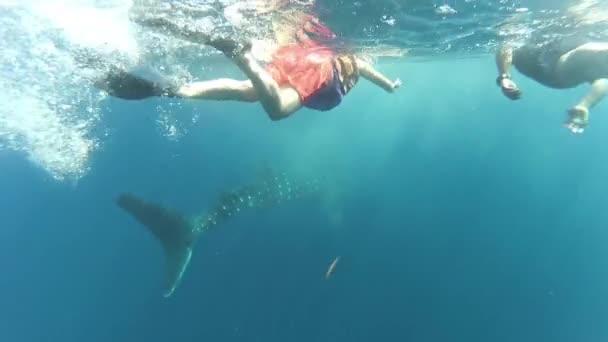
<point x="174" y="231"/>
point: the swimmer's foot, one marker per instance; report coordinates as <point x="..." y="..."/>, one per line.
<point x="578" y="119"/>
<point x="230" y="47"/>
<point x="125" y="85"/>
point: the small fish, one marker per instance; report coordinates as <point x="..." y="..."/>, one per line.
<point x="331" y="268"/>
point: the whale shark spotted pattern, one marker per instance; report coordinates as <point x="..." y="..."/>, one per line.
<point x="267" y="193"/>
<point x="177" y="234"/>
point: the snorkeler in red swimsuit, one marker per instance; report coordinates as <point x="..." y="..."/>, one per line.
<point x="304" y="73"/>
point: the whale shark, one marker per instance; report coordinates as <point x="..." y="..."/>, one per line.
<point x="178" y="233"/>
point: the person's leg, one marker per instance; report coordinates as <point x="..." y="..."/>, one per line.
<point x="578" y="116"/>
<point x="222" y="89"/>
<point x="279" y="102"/>
<point x="128" y="86"/>
<point x="167" y="27"/>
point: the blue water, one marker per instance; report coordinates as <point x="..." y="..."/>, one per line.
<point x="458" y="216"/>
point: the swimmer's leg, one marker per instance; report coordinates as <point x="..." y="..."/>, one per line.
<point x="279" y="102"/>
<point x="223" y="89"/>
<point x="165" y="26"/>
<point x="578" y="116"/>
<point x="128" y="86"/>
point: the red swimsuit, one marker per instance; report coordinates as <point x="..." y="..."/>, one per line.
<point x="306" y="66"/>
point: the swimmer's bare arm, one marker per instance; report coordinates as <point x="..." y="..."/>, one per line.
<point x="504" y="60"/>
<point x="578" y="117"/>
<point x="368" y="72"/>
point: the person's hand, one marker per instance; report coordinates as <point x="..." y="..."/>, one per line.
<point x="578" y="119"/>
<point x="396" y="84"/>
<point x="510" y="89"/>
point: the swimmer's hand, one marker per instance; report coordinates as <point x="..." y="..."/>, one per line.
<point x="396" y="84"/>
<point x="509" y="88"/>
<point x="578" y="119"/>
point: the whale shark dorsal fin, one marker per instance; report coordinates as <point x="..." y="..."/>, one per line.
<point x="174" y="232"/>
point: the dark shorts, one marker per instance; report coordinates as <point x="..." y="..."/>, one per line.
<point x="538" y="61"/>
<point x="327" y="97"/>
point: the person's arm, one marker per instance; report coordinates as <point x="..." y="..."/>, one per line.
<point x="368" y="72"/>
<point x="504" y="60"/>
<point x="578" y="117"/>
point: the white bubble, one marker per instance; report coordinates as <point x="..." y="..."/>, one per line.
<point x="49" y="105"/>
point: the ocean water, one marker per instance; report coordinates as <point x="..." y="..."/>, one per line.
<point x="457" y="214"/>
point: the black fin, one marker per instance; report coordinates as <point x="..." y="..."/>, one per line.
<point x="174" y="232"/>
<point x="128" y="86"/>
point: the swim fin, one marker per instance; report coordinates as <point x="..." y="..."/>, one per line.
<point x="127" y="86"/>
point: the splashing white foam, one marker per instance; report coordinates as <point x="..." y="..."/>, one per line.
<point x="52" y="50"/>
<point x="49" y="106"/>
